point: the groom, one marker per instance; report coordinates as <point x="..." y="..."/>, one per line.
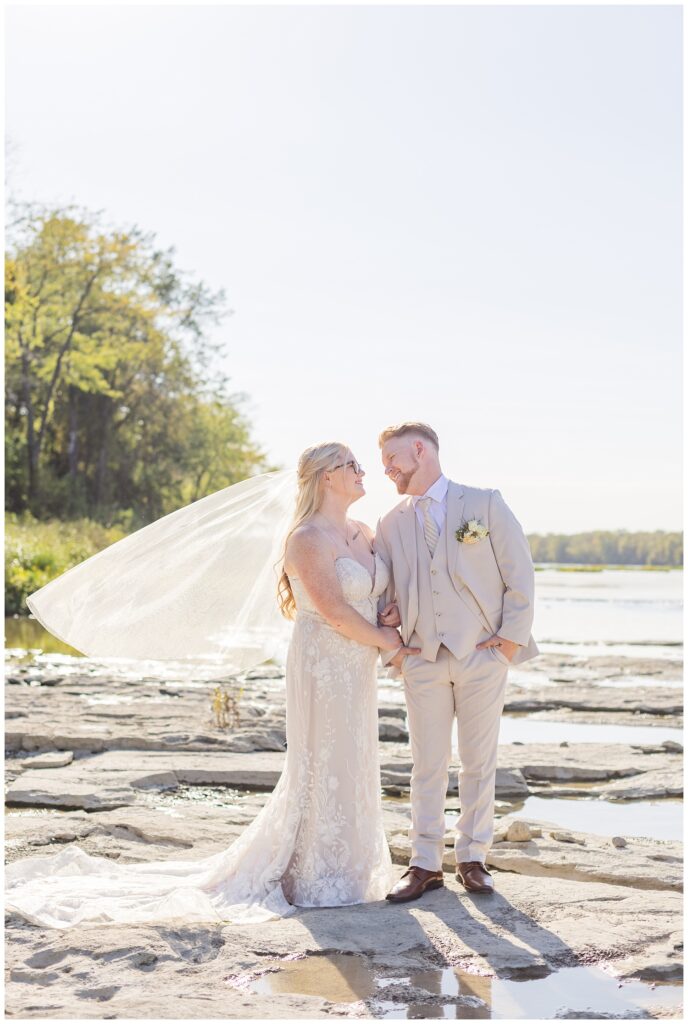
<point x="462" y="578"/>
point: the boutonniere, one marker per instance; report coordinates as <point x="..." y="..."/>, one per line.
<point x="471" y="531"/>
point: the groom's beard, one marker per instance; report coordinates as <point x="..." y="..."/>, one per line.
<point x="403" y="481"/>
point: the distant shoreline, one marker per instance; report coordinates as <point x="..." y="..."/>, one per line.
<point x="587" y="567"/>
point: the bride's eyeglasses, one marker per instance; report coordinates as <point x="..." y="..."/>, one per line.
<point x="357" y="467"/>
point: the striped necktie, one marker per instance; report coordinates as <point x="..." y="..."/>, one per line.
<point x="430" y="527"/>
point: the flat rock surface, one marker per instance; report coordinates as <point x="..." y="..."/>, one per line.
<point x="608" y="760"/>
<point x="94" y="706"/>
<point x="652" y="785"/>
<point x="641" y="864"/>
<point x="524" y="930"/>
<point x="568" y="666"/>
<point x="656" y="702"/>
<point x="530" y="927"/>
<point x="117" y="776"/>
<point x="113" y="778"/>
<point x="138" y="768"/>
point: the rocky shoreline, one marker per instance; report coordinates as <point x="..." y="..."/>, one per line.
<point x="136" y="767"/>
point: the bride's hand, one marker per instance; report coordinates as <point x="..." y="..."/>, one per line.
<point x="389" y="616"/>
<point x="391" y="641"/>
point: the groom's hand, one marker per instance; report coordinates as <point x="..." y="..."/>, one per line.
<point x="399" y="655"/>
<point x="398" y="658"/>
<point x="507" y="647"/>
<point x="389" y="616"/>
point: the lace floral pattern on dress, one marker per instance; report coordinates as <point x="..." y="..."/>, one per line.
<point x="341" y="854"/>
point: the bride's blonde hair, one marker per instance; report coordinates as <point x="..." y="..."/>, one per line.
<point x="313" y="464"/>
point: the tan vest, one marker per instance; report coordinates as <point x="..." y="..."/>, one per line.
<point x="443" y="616"/>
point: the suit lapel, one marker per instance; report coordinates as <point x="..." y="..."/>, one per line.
<point x="407" y="533"/>
<point x="409" y="544"/>
<point x="455" y="503"/>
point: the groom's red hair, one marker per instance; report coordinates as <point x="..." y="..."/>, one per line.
<point x="410" y="427"/>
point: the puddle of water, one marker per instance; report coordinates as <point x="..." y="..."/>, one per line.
<point x="347" y="979"/>
<point x="525" y="729"/>
<point x="338" y="978"/>
<point x="654" y="819"/>
<point x="578" y="989"/>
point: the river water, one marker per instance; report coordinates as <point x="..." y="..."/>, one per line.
<point x="633" y="610"/>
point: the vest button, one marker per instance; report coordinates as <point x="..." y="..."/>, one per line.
<point x="434" y="572"/>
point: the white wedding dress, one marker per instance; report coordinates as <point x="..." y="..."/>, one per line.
<point x="319" y="840"/>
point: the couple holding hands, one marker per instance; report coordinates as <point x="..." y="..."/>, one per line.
<point x="443" y="591"/>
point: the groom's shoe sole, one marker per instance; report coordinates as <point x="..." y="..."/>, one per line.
<point x="433" y="884"/>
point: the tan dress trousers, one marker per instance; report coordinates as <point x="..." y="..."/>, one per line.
<point x="470" y="689"/>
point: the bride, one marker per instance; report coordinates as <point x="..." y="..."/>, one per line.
<point x="319" y="840"/>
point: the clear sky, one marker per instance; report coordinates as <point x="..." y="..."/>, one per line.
<point x="468" y="215"/>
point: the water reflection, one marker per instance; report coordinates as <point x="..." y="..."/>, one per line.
<point x="515" y="729"/>
<point x="654" y="819"/>
<point x="457" y="994"/>
<point x="472" y="994"/>
<point x="339" y="978"/>
<point x="29" y="636"/>
<point x="660" y="819"/>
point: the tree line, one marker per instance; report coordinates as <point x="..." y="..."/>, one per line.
<point x="115" y="408"/>
<point x="608" y="547"/>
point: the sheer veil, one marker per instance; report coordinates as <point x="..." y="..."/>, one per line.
<point x="198" y="584"/>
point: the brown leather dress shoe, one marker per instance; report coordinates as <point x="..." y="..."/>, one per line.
<point x="413" y="883"/>
<point x="474" y="876"/>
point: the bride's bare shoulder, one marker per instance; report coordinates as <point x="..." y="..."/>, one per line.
<point x="307" y="533"/>
<point x="306" y="543"/>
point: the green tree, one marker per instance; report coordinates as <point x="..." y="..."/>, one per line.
<point x="114" y="401"/>
<point x="609" y="547"/>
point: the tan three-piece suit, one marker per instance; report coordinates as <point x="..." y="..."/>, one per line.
<point x="449" y="601"/>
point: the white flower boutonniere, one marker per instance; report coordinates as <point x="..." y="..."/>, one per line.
<point x="471" y="531"/>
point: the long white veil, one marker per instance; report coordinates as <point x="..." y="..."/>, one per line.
<point x="198" y="584"/>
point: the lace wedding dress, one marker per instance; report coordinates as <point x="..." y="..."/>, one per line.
<point x="319" y="840"/>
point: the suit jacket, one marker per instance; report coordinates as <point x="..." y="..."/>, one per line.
<point x="497" y="570"/>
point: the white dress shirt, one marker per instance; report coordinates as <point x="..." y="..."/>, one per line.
<point x="438" y="505"/>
